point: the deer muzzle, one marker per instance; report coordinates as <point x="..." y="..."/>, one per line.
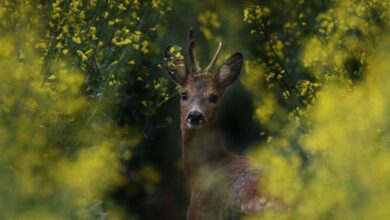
<point x="195" y="119"/>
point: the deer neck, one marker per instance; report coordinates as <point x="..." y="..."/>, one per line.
<point x="201" y="147"/>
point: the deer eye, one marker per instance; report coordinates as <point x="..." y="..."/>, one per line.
<point x="213" y="99"/>
<point x="183" y="96"/>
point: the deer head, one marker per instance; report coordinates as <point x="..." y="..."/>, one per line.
<point x="201" y="90"/>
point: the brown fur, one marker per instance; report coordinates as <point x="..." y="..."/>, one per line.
<point x="200" y="88"/>
<point x="223" y="185"/>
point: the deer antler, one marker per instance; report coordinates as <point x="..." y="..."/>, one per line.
<point x="210" y="67"/>
<point x="194" y="60"/>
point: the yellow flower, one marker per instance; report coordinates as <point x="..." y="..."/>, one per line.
<point x="77" y="40"/>
<point x="83" y="56"/>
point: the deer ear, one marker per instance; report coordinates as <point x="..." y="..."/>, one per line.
<point x="176" y="66"/>
<point x="230" y="69"/>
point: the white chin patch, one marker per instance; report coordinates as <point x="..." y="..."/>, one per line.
<point x="191" y="126"/>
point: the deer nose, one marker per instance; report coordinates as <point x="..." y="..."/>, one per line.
<point x="195" y="118"/>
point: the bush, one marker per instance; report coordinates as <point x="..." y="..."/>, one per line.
<point x="325" y="108"/>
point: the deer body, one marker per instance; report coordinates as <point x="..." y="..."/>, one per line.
<point x="220" y="182"/>
<point x="223" y="185"/>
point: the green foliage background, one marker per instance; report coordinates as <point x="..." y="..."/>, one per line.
<point x="89" y="123"/>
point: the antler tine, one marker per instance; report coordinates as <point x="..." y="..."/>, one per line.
<point x="193" y="59"/>
<point x="212" y="63"/>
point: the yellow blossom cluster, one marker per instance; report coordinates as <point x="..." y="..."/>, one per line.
<point x="254" y="13"/>
<point x="209" y="22"/>
<point x="103" y="36"/>
<point x="60" y="146"/>
<point x="59" y="156"/>
<point x="326" y="150"/>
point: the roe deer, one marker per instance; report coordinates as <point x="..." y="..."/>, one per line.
<point x="222" y="184"/>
